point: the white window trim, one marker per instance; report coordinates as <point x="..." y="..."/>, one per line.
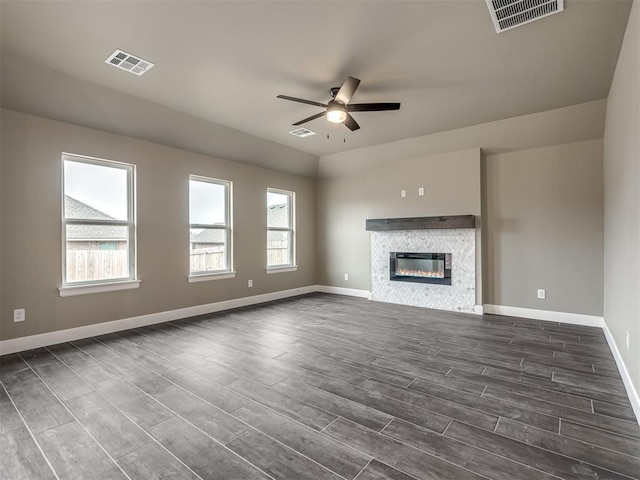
<point x="73" y="290"/>
<point x="112" y="284"/>
<point x="282" y="269"/>
<point x="292" y="265"/>
<point x="205" y="275"/>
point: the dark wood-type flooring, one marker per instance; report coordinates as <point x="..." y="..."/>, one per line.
<point x="321" y="387"/>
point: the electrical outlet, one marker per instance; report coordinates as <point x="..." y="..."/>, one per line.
<point x="627" y="340"/>
<point x="250" y="283"/>
<point x="403" y="193"/>
<point x="19" y="315"/>
<point x="421" y="191"/>
<point x="346" y="276"/>
<point x="542" y="293"/>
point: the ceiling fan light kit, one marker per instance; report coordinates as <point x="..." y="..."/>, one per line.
<point x="338" y="109"/>
<point x="336" y="114"/>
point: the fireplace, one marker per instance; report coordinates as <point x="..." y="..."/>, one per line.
<point x="454" y="235"/>
<point x="420" y="267"/>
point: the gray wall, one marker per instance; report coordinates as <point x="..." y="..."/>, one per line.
<point x="541" y="183"/>
<point x="452" y="187"/>
<point x="553" y="127"/>
<point x="544" y="228"/>
<point x="622" y="201"/>
<point x="534" y="199"/>
<point x="31" y="227"/>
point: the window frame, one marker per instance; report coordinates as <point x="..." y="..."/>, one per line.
<point x="291" y="266"/>
<point x="102" y="285"/>
<point x="203" y="275"/>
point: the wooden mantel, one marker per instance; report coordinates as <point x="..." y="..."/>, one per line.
<point x="420" y="223"/>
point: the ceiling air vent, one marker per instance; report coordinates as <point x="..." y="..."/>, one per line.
<point x="507" y="14"/>
<point x="128" y="62"/>
<point x="302" y="132"/>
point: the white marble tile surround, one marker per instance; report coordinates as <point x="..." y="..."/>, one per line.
<point x="460" y="296"/>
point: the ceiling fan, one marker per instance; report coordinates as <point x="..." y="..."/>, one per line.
<point x="338" y="110"/>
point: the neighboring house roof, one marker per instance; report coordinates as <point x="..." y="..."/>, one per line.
<point x="78" y="210"/>
<point x="96" y="233"/>
<point x="91" y="233"/>
<point x="213" y="236"/>
<point x="276" y="215"/>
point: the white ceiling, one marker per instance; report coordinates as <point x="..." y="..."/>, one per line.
<point x="225" y="61"/>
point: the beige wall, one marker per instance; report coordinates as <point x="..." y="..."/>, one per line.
<point x="544" y="228"/>
<point x="553" y="127"/>
<point x="534" y="201"/>
<point x="541" y="182"/>
<point x="31" y="227"/>
<point x="452" y="187"/>
<point x="622" y="201"/>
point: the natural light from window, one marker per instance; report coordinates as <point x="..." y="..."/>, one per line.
<point x="98" y="221"/>
<point x="280" y="231"/>
<point x="209" y="225"/>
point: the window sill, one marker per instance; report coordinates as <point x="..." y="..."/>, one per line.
<point x="205" y="277"/>
<point x="283" y="269"/>
<point x="72" y="290"/>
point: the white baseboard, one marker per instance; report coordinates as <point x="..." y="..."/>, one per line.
<point x="60" y="336"/>
<point x="478" y="309"/>
<point x="351" y="292"/>
<point x="563" y="317"/>
<point x="577" y="319"/>
<point x="51" y="338"/>
<point x="632" y="393"/>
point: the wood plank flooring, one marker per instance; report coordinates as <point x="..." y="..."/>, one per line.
<point x="321" y="387"/>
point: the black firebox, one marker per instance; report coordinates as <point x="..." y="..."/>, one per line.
<point x="420" y="267"/>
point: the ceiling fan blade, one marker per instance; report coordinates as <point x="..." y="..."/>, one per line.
<point x="351" y="123"/>
<point x="312" y="117"/>
<point x="302" y="100"/>
<point x="372" y="107"/>
<point x="347" y="90"/>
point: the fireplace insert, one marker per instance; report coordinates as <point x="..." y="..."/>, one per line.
<point x="420" y="267"/>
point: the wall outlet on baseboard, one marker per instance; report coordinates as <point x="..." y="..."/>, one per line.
<point x="250" y="283"/>
<point x="346" y="276"/>
<point x="542" y="293"/>
<point x="627" y="340"/>
<point x="19" y="315"/>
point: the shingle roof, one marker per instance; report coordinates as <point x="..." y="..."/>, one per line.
<point x="96" y="233"/>
<point x="76" y="209"/>
<point x="209" y="236"/>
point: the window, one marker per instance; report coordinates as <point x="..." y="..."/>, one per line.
<point x="209" y="226"/>
<point x="280" y="229"/>
<point x="98" y="222"/>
